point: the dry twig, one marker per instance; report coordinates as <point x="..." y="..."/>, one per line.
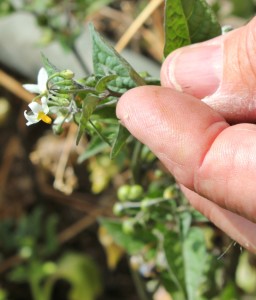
<point x="59" y="181"/>
<point x="12" y="85"/>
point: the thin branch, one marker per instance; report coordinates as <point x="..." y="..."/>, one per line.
<point x="59" y="181"/>
<point x="15" y="87"/>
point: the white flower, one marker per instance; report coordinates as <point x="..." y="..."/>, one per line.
<point x="38" y="112"/>
<point x="40" y="87"/>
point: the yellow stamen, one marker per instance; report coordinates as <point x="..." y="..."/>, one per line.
<point x="42" y="116"/>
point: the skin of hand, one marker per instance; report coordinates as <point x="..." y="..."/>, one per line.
<point x="200" y="125"/>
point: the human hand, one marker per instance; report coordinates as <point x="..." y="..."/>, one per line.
<point x="214" y="162"/>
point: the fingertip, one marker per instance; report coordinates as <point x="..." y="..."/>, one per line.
<point x="195" y="69"/>
<point x="123" y="102"/>
<point x="132" y="102"/>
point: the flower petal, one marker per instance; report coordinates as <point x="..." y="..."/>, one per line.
<point x="44" y="105"/>
<point x="32" y="88"/>
<point x="42" y="80"/>
<point x="32" y="119"/>
<point x="35" y="107"/>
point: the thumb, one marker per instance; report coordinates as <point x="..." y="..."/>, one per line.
<point x="221" y="72"/>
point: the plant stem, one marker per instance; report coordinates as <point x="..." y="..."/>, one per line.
<point x="99" y="134"/>
<point x="139" y="204"/>
<point x="136" y="163"/>
<point x="36" y="289"/>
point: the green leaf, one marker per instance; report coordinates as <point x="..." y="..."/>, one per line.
<point x="185" y="223"/>
<point x="107" y="112"/>
<point x="95" y="6"/>
<point x="132" y="242"/>
<point x="82" y="274"/>
<point x="121" y="138"/>
<point x="195" y="258"/>
<point x="100" y="134"/>
<point x="107" y="61"/>
<point x="102" y="83"/>
<point x="229" y="292"/>
<point x="49" y="67"/>
<point x="89" y="104"/>
<point x="51" y="239"/>
<point x="3" y="293"/>
<point x="93" y="149"/>
<point x="173" y="253"/>
<point x="243" y="9"/>
<point x="18" y="274"/>
<point x="186" y="257"/>
<point x="188" y="22"/>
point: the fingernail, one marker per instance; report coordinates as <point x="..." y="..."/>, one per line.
<point x="195" y="70"/>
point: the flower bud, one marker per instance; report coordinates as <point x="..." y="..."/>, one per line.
<point x="136" y="192"/>
<point x="118" y="209"/>
<point x="67" y="74"/>
<point x="123" y="193"/>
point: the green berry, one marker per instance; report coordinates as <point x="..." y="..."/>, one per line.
<point x="136" y="192"/>
<point x="123" y="192"/>
<point x="170" y="192"/>
<point x="26" y="252"/>
<point x="49" y="268"/>
<point x="128" y="226"/>
<point x="118" y="209"/>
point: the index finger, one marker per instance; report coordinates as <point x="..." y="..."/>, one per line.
<point x="196" y="144"/>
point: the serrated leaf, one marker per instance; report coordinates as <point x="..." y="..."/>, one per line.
<point x="89" y="104"/>
<point x="107" y="61"/>
<point x="120" y="140"/>
<point x="188" y="22"/>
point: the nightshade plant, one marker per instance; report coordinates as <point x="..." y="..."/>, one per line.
<point x="163" y="235"/>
